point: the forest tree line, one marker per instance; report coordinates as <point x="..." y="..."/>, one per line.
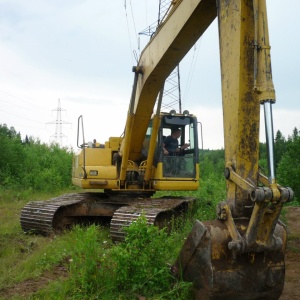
<point x="30" y="164"/>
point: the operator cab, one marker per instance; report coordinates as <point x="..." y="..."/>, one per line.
<point x="183" y="162"/>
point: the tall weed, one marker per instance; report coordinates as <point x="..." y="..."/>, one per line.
<point x="88" y="246"/>
<point x="141" y="263"/>
<point x="138" y="266"/>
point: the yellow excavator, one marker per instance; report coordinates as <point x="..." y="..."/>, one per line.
<point x="240" y="255"/>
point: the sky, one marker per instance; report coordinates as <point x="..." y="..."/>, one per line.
<point x="81" y="52"/>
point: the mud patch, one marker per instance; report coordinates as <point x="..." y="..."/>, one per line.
<point x="30" y="286"/>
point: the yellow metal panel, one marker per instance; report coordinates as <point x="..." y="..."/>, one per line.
<point x="160" y="183"/>
<point x="98" y="157"/>
<point x="90" y="184"/>
<point x="175" y="185"/>
<point x="115" y="143"/>
<point x="104" y="172"/>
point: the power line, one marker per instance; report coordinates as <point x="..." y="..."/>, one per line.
<point x="20" y="116"/>
<point x="192" y="69"/>
<point x="22" y="99"/>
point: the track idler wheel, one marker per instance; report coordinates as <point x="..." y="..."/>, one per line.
<point x="220" y="273"/>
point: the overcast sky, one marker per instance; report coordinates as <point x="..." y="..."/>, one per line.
<point x="81" y="52"/>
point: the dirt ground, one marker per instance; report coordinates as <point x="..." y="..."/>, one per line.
<point x="291" y="289"/>
<point x="28" y="287"/>
<point x="292" y="278"/>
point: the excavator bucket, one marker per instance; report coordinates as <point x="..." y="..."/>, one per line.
<point x="220" y="273"/>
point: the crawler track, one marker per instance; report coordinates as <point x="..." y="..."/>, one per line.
<point x="159" y="212"/>
<point x="59" y="213"/>
<point x="46" y="216"/>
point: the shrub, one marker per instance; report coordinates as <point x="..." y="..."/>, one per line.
<point x="141" y="263"/>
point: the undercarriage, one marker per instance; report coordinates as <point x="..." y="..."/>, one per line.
<point x="60" y="213"/>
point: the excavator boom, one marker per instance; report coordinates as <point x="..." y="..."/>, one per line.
<point x="184" y="25"/>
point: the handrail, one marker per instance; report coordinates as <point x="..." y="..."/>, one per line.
<point x="82" y="146"/>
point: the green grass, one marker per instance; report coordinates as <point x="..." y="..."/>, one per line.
<point x="96" y="268"/>
<point x="23" y="256"/>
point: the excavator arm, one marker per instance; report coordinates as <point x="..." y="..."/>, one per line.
<point x="246" y="85"/>
<point x="241" y="254"/>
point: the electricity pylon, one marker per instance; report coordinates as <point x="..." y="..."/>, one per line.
<point x="58" y="135"/>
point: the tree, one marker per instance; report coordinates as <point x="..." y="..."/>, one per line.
<point x="280" y="147"/>
<point x="288" y="171"/>
<point x="11" y="155"/>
